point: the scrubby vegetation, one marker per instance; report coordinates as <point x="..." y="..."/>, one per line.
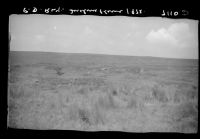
<point x="90" y="93"/>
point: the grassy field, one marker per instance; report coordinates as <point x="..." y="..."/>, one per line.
<point x="94" y="92"/>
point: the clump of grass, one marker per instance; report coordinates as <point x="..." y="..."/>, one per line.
<point x="186" y="110"/>
<point x="193" y="124"/>
<point x="134" y="70"/>
<point x="135" y="103"/>
<point x="98" y="115"/>
<point x="16" y="91"/>
<point x="187" y="127"/>
<point x="110" y="101"/>
<point x="82" y="91"/>
<point x="132" y="103"/>
<point x="93" y="82"/>
<point x="107" y="102"/>
<point x="55" y="67"/>
<point x="13" y="78"/>
<point x="13" y="108"/>
<point x="191" y="94"/>
<point x="14" y="67"/>
<point x="114" y="92"/>
<point x="124" y="90"/>
<point x="59" y="71"/>
<point x="194" y="87"/>
<point x="20" y="91"/>
<point x="149" y="99"/>
<point x="185" y="95"/>
<point x="13" y="113"/>
<point x="159" y="94"/>
<point x="86" y="116"/>
<point x="12" y="122"/>
<point x="188" y="92"/>
<point x="177" y="98"/>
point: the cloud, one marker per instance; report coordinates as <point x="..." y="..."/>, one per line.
<point x="176" y="34"/>
<point x="39" y="37"/>
<point x="179" y="29"/>
<point x="88" y="30"/>
<point x="162" y="35"/>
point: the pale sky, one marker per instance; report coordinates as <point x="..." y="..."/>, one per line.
<point x="116" y="35"/>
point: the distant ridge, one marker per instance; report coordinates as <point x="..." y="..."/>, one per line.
<point x="97" y="54"/>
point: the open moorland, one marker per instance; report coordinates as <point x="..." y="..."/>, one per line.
<point x="94" y="92"/>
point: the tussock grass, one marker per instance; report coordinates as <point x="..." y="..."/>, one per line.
<point x="187" y="110"/>
<point x="86" y="116"/>
<point x="82" y="91"/>
<point x="184" y="95"/>
<point x="103" y="93"/>
<point x="14" y="68"/>
<point x="51" y="66"/>
<point x="159" y="94"/>
<point x="13" y="78"/>
<point x="184" y="111"/>
<point x="14" y="111"/>
<point x="12" y="121"/>
<point x="98" y="114"/>
<point x="16" y="91"/>
<point x="187" y="127"/>
<point x="88" y="81"/>
<point x="114" y="92"/>
<point x="14" y="108"/>
<point x="125" y="90"/>
<point x="20" y="91"/>
<point x="193" y="125"/>
<point x="133" y="103"/>
<point x="177" y="98"/>
<point x="134" y="70"/>
<point x="190" y="94"/>
<point x="107" y="102"/>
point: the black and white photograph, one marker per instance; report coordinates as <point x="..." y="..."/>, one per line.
<point x="103" y="73"/>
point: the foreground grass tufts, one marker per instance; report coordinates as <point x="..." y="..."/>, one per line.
<point x="107" y="102"/>
<point x="159" y="94"/>
<point x="186" y="110"/>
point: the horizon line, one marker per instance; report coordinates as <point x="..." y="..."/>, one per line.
<point x="108" y="54"/>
